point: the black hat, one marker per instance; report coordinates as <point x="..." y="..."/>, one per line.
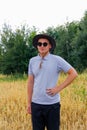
<point x="49" y="38"/>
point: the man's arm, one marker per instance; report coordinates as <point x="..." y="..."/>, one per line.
<point x="29" y="92"/>
<point x="72" y="74"/>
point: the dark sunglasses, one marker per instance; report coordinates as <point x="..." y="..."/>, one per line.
<point x="40" y="44"/>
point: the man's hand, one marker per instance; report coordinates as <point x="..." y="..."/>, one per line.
<point x="52" y="91"/>
<point x="29" y="109"/>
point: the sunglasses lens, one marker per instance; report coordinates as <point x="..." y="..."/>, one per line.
<point x="45" y="44"/>
<point x="40" y="44"/>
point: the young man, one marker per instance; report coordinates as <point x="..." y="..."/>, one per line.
<point x="43" y="91"/>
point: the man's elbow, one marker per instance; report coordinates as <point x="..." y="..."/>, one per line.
<point x="73" y="72"/>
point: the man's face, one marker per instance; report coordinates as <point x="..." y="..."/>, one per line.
<point x="43" y="46"/>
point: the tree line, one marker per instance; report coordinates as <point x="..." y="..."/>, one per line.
<point x="16" y="46"/>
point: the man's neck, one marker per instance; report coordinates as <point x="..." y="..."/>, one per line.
<point x="43" y="54"/>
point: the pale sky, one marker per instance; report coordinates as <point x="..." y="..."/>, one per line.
<point x="41" y="13"/>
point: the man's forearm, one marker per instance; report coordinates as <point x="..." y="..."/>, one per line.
<point x="72" y="74"/>
<point x="68" y="81"/>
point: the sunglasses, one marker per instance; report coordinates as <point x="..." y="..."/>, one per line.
<point x="40" y="44"/>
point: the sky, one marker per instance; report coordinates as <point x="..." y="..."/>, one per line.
<point x="41" y="13"/>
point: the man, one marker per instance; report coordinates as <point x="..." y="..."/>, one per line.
<point x="43" y="91"/>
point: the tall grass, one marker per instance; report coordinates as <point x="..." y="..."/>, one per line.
<point x="13" y="103"/>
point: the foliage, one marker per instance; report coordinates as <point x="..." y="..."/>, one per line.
<point x="16" y="46"/>
<point x="81" y="46"/>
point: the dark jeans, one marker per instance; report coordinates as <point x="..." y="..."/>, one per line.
<point x="45" y="116"/>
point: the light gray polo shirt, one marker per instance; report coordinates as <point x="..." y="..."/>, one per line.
<point x="46" y="77"/>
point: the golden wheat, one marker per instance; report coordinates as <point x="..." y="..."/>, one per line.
<point x="13" y="103"/>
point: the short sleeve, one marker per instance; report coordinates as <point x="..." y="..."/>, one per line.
<point x="63" y="64"/>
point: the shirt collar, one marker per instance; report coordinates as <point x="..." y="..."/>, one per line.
<point x="45" y="58"/>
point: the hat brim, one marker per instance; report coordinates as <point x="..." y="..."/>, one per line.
<point x="45" y="36"/>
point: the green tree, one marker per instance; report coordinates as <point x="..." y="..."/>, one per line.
<point x="65" y="39"/>
<point x="81" y="46"/>
<point x="17" y="49"/>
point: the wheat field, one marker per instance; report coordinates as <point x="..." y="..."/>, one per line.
<point x="13" y="104"/>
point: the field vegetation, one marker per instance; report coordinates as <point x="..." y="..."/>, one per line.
<point x="13" y="103"/>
